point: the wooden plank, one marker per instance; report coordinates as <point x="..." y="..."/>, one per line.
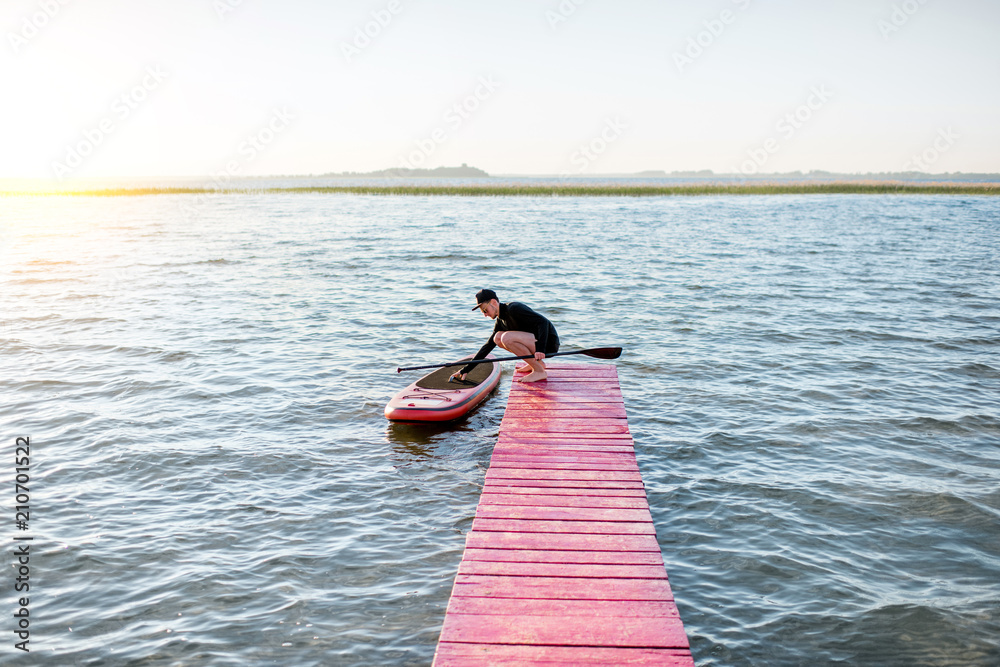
<point x="578" y="475"/>
<point x="561" y="541"/>
<point x="460" y="654"/>
<point x="628" y="490"/>
<point x="553" y="556"/>
<point x="562" y="483"/>
<point x="536" y="513"/>
<point x="538" y="449"/>
<point x="523" y="499"/>
<point x="599" y="608"/>
<point x="567" y="439"/>
<point x="516" y="569"/>
<point x="540" y="526"/>
<point x="505" y="459"/>
<point x="508" y="453"/>
<point x="564" y="398"/>
<point x="543" y="464"/>
<point x="561" y="588"/>
<point x="567" y="426"/>
<point x="629" y="632"/>
<point x="537" y="403"/>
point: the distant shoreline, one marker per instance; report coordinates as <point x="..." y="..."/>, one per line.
<point x="557" y="190"/>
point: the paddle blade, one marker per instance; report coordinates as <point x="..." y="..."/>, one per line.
<point x="604" y="352"/>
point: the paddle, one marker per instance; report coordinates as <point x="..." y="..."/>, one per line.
<point x="596" y="352"/>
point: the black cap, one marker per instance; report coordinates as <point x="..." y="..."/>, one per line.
<point x="484" y="295"/>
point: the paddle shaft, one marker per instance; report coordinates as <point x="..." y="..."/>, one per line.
<point x="599" y="352"/>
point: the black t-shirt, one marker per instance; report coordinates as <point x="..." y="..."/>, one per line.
<point x="516" y="316"/>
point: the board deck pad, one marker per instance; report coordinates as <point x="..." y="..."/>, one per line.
<point x="562" y="566"/>
<point x="439" y="378"/>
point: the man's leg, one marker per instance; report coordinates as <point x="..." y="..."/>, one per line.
<point x="521" y="344"/>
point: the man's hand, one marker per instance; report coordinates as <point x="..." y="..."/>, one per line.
<point x="460" y="376"/>
<point x="539" y="356"/>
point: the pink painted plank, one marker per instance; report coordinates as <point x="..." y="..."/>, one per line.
<point x="598" y="608"/>
<point x="561" y="588"/>
<point x="497" y="482"/>
<point x="522" y="499"/>
<point x="542" y="526"/>
<point x="549" y="389"/>
<point x="566" y="425"/>
<point x="612" y="411"/>
<point x="537" y="449"/>
<point x="572" y="631"/>
<point x="587" y="514"/>
<point x="554" y="375"/>
<point x="567" y="439"/>
<point x="569" y="457"/>
<point x="451" y="654"/>
<point x="572" y="369"/>
<point x="561" y="541"/>
<point x="565" y="455"/>
<point x="581" y="475"/>
<point x="630" y="490"/>
<point x="555" y="457"/>
<point x="530" y="417"/>
<point x="589" y="391"/>
<point x="552" y="556"/>
<point x="514" y="569"/>
<point x="536" y="404"/>
<point x="564" y="399"/>
<point x="535" y="464"/>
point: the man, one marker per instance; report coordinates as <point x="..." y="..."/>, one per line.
<point x="519" y="330"/>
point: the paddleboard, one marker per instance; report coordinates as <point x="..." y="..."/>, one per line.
<point x="433" y="399"/>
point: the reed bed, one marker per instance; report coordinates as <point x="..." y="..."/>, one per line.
<point x="567" y="190"/>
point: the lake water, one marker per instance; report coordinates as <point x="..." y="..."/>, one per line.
<point x="812" y="383"/>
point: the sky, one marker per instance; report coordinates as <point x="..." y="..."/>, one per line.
<point x="153" y="88"/>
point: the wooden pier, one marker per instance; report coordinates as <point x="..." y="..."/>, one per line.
<point x="562" y="565"/>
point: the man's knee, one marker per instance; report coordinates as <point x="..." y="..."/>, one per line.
<point x="498" y="339"/>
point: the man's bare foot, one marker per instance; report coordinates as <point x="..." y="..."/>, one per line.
<point x="524" y="368"/>
<point x="534" y="376"/>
